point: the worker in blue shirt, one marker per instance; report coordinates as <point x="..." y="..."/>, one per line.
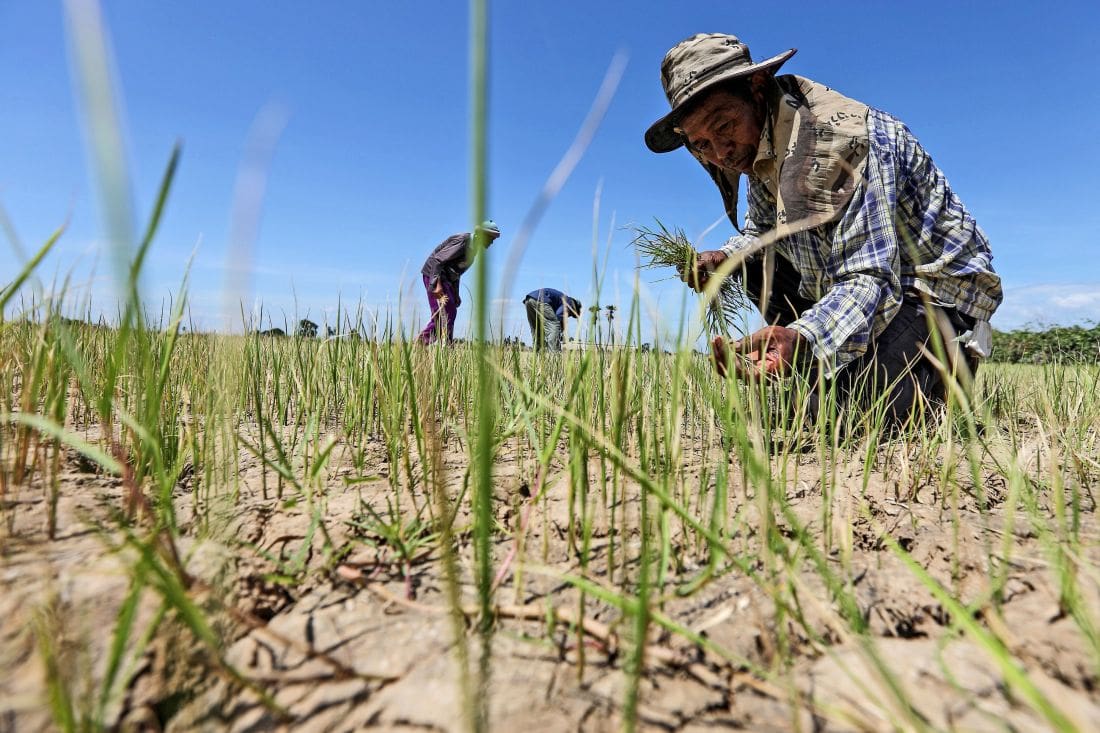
<point x="547" y="310"/>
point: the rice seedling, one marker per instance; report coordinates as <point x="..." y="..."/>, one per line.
<point x="662" y="247"/>
<point x="678" y="492"/>
<point x="410" y="540"/>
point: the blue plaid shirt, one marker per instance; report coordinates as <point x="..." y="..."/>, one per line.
<point x="903" y="230"/>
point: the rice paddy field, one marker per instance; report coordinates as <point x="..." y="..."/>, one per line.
<point x="204" y="532"/>
<point x="238" y="532"/>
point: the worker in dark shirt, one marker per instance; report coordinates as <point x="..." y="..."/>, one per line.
<point x="547" y="310"/>
<point x="442" y="271"/>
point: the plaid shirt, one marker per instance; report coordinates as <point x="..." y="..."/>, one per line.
<point x="903" y="230"/>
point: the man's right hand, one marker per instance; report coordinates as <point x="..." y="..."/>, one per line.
<point x="767" y="354"/>
<point x="437" y="290"/>
<point x="705" y="263"/>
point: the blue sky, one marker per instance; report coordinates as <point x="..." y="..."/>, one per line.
<point x="366" y="105"/>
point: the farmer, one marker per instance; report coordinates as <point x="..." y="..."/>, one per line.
<point x="442" y="271"/>
<point x="547" y="310"/>
<point x="852" y="239"/>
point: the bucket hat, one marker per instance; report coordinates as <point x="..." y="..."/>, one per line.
<point x="695" y="65"/>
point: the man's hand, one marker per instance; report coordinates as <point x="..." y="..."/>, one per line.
<point x="699" y="273"/>
<point x="767" y="354"/>
<point x="437" y="290"/>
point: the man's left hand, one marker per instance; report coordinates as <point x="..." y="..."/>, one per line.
<point x="699" y="273"/>
<point x="767" y="354"/>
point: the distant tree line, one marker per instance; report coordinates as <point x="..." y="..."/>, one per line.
<point x="308" y="329"/>
<point x="1079" y="344"/>
<point x="1059" y="343"/>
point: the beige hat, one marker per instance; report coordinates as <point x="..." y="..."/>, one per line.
<point x="695" y="65"/>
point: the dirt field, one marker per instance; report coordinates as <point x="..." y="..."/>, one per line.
<point x="339" y="638"/>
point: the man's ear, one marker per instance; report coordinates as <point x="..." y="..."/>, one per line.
<point x="758" y="82"/>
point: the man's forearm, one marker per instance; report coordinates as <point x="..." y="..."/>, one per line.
<point x="839" y="326"/>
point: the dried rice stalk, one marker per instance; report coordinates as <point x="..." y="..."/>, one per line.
<point x="661" y="247"/>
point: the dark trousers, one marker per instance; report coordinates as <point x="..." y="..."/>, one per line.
<point x="894" y="365"/>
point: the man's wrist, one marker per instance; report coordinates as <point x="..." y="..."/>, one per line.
<point x="803" y="346"/>
<point x="736" y="243"/>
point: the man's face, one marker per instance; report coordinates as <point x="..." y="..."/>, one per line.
<point x="725" y="130"/>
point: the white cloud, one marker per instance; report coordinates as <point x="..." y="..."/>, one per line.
<point x="1077" y="300"/>
<point x="1049" y="304"/>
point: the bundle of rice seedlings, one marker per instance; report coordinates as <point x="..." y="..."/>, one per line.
<point x="662" y="247"/>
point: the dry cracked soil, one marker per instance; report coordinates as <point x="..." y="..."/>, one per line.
<point x="331" y="631"/>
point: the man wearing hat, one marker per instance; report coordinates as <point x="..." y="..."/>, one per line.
<point x="852" y="238"/>
<point x="442" y="271"/>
